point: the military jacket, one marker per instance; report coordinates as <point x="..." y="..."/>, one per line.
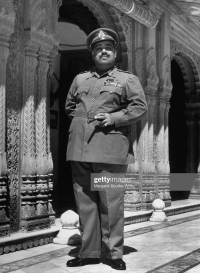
<point x="90" y="94"/>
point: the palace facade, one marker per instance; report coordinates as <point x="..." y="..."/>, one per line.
<point x="42" y="48"/>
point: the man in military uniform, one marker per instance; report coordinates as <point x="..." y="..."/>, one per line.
<point x="101" y="105"/>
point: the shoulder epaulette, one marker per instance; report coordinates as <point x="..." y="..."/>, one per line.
<point x="83" y="72"/>
<point x="124" y="71"/>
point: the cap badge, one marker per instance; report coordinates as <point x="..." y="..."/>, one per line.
<point x="101" y="34"/>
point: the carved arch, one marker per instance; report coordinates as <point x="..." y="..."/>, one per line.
<point x="151" y="67"/>
<point x="190" y="66"/>
<point x="107" y="17"/>
<point x="190" y="76"/>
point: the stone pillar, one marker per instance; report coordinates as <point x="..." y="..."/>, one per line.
<point x="4" y="221"/>
<point x="43" y="155"/>
<point x="7" y="17"/>
<point x="148" y="191"/>
<point x="164" y="183"/>
<point x="37" y="166"/>
<point x="133" y="198"/>
<point x="164" y="93"/>
<point x="51" y="212"/>
<point x="162" y="167"/>
<point x="29" y="167"/>
<point x="162" y="162"/>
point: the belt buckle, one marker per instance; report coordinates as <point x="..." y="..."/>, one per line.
<point x="89" y="119"/>
<point x="88" y="116"/>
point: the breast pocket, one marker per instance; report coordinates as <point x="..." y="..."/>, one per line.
<point x="111" y="94"/>
<point x="82" y="91"/>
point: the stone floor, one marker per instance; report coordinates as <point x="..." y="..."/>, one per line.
<point x="150" y="247"/>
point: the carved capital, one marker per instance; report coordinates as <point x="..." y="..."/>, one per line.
<point x="7" y="17"/>
<point x="162" y="105"/>
<point x="166" y="73"/>
<point x="4" y="51"/>
<point x="52" y="56"/>
<point x="139" y="64"/>
<point x="152" y="80"/>
<point x="152" y="103"/>
<point x="41" y="23"/>
<point x="167" y="106"/>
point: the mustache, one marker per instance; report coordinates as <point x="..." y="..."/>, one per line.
<point x="104" y="54"/>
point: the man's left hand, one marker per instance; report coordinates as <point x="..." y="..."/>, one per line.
<point x="106" y="119"/>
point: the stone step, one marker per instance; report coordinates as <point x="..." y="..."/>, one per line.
<point x="133" y="221"/>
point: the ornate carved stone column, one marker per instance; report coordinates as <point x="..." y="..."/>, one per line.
<point x="7" y="17"/>
<point x="164" y="93"/>
<point x="4" y="221"/>
<point x="150" y="91"/>
<point x="162" y="153"/>
<point x="43" y="155"/>
<point x="39" y="40"/>
<point x="28" y="189"/>
<point x="51" y="212"/>
<point x="148" y="132"/>
<point x="132" y="198"/>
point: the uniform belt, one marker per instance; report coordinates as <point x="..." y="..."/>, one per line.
<point x="88" y="115"/>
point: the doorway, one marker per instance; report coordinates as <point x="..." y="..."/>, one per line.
<point x="71" y="64"/>
<point x="178" y="150"/>
<point x="74" y="24"/>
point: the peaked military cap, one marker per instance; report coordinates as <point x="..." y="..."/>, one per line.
<point x="101" y="34"/>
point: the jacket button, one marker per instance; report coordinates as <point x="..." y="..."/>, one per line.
<point x="93" y="99"/>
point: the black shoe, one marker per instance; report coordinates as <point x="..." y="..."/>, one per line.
<point x="117" y="264"/>
<point x="80" y="262"/>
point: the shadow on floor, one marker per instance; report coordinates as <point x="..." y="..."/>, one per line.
<point x="127" y="250"/>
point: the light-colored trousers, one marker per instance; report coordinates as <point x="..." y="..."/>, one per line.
<point x="101" y="212"/>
